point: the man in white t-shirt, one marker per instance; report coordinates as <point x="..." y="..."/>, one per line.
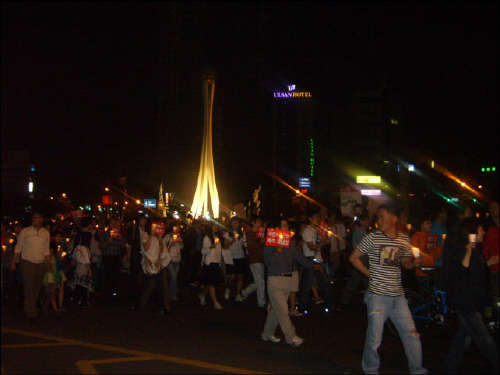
<point x="312" y="250"/>
<point x="33" y="243"/>
<point x="387" y="250"/>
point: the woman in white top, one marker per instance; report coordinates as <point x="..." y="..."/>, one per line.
<point x="212" y="257"/>
<point x="173" y="245"/>
<point x="235" y="239"/>
<point x="155" y="260"/>
<point x="81" y="282"/>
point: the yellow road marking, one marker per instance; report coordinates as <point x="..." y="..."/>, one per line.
<point x="86" y="367"/>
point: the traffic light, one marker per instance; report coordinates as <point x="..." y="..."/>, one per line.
<point x="488" y="169"/>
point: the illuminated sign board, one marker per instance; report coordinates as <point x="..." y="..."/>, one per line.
<point x="368" y="179"/>
<point x="371" y="192"/>
<point x="304" y="182"/>
<point x="150" y="203"/>
<point x="292" y="95"/>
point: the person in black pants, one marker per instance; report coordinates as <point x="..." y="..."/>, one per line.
<point x="467" y="279"/>
<point x="112" y="246"/>
<point x="135" y="239"/>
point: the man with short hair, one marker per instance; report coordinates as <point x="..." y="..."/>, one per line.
<point x="387" y="250"/>
<point x="312" y="250"/>
<point x="33" y="243"/>
<point x="255" y="248"/>
<point x="439" y="227"/>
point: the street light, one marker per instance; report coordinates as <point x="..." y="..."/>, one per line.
<point x="106" y="189"/>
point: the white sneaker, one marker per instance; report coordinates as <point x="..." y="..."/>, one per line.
<point x="296" y="341"/>
<point x="227" y="293"/>
<point x="238" y="298"/>
<point x="202" y="300"/>
<point x="271" y="338"/>
<point x="217" y="306"/>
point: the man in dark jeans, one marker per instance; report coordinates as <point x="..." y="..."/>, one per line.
<point x="112" y="245"/>
<point x="467" y="288"/>
<point x="193" y="244"/>
<point x="312" y="250"/>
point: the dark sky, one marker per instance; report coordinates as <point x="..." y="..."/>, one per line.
<point x="80" y="80"/>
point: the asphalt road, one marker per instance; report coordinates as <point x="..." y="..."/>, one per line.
<point x="111" y="338"/>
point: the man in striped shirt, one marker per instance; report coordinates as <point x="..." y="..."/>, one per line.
<point x="387" y="250"/>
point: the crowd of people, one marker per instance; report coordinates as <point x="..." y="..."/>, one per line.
<point x="51" y="264"/>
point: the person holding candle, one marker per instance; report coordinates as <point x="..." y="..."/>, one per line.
<point x="312" y="250"/>
<point x="154" y="263"/>
<point x="235" y="239"/>
<point x="173" y="244"/>
<point x="467" y="295"/>
<point x="426" y="243"/>
<point x="212" y="258"/>
<point x="438" y="227"/>
<point x="62" y="260"/>
<point x="52" y="281"/>
<point x="8" y="244"/>
<point x="112" y="245"/>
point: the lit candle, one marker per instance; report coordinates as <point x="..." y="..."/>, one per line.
<point x="330" y="233"/>
<point x="415" y="251"/>
<point x="236" y="235"/>
<point x="472" y="238"/>
<point x="216" y="240"/>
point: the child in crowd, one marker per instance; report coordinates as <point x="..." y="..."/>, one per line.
<point x="52" y="281"/>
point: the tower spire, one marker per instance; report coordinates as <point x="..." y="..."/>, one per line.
<point x="206" y="176"/>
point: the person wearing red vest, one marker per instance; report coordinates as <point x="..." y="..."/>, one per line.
<point x="427" y="244"/>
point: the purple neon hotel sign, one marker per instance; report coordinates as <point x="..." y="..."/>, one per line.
<point x="292" y="94"/>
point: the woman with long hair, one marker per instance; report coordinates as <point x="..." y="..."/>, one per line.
<point x="212" y="257"/>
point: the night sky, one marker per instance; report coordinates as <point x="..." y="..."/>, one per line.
<point x="80" y="80"/>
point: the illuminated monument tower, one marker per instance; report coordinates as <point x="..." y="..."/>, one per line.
<point x="206" y="176"/>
